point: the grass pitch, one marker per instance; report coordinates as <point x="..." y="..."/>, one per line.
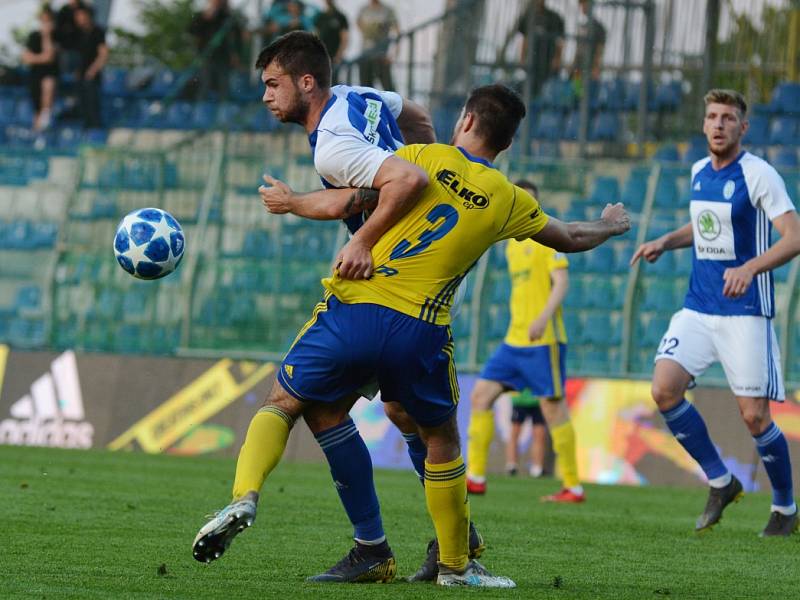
<point x="115" y="525"/>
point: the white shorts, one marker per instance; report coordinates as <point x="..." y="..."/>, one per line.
<point x="745" y="345"/>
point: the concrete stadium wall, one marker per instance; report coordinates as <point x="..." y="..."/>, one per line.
<point x="192" y="406"/>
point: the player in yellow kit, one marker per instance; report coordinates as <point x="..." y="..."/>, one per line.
<point x="532" y="357"/>
<point x="391" y="324"/>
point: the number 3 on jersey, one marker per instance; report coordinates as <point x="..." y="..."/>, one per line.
<point x="443" y="217"/>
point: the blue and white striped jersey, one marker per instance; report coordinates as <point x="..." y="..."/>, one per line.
<point x="731" y="211"/>
<point x="357" y="131"/>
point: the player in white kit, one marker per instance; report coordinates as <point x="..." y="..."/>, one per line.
<point x="736" y="198"/>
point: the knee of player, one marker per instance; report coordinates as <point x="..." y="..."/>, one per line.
<point x="665" y="396"/>
<point x="755" y="418"/>
<point x="399" y="417"/>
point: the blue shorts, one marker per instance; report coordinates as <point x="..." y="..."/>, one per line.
<point x="345" y="346"/>
<point x="538" y="368"/>
<point x="520" y="413"/>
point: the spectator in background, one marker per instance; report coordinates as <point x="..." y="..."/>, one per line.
<point x="547" y="37"/>
<point x="66" y="36"/>
<point x="524" y="406"/>
<point x="333" y="29"/>
<point x="591" y="41"/>
<point x="204" y="26"/>
<point x="285" y="16"/>
<point x="376" y="22"/>
<point x="41" y="56"/>
<point x="93" y="53"/>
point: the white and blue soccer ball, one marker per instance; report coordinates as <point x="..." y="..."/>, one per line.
<point x="149" y="243"/>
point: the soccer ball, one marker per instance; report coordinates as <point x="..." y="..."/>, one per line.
<point x="149" y="243"/>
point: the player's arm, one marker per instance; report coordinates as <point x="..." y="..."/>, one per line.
<point x="650" y="251"/>
<point x="401" y="184"/>
<point x="580" y="236"/>
<point x="321" y="205"/>
<point x="558" y="290"/>
<point x="415" y="124"/>
<point x="738" y="280"/>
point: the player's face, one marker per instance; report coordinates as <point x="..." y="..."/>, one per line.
<point x="282" y="95"/>
<point x="724" y="127"/>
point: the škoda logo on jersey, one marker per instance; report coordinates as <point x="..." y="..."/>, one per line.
<point x="468" y="195"/>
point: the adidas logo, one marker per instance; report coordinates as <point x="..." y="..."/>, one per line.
<point x="697" y="187"/>
<point x="52" y="413"/>
<point x="681" y="436"/>
<point x="769" y="458"/>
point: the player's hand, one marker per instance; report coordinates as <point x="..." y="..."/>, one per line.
<point x="616" y="216"/>
<point x="536" y="329"/>
<point x="355" y="260"/>
<point x="650" y="251"/>
<point x="277" y="198"/>
<point x="737" y="281"/>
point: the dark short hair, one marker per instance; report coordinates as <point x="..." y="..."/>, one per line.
<point x="528" y="185"/>
<point x="82" y="6"/>
<point x="298" y="53"/>
<point x="728" y="97"/>
<point x="499" y="110"/>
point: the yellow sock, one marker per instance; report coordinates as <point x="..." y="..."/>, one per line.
<point x="564" y="447"/>
<point x="448" y="505"/>
<point x="262" y="449"/>
<point x="480" y="432"/>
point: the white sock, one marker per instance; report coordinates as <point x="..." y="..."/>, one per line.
<point x="577" y="490"/>
<point x="536" y="470"/>
<point x="721" y="481"/>
<point x="785" y="510"/>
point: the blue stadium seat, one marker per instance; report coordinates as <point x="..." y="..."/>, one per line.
<point x="632" y="89"/>
<point x="501" y="291"/>
<point x="786" y="98"/>
<point x="114" y="82"/>
<point x="162" y="84"/>
<point x="651" y="336"/>
<point x="576" y="297"/>
<point x="658" y="295"/>
<point x="635" y="189"/>
<point x="611" y="95"/>
<point x="7" y="110"/>
<point x="444" y="120"/>
<point x="572" y="126"/>
<point x="557" y="94"/>
<point x="599" y="260"/>
<point x="258" y="244"/>
<point x="606" y="189"/>
<point x="37" y="167"/>
<point x="548" y="126"/>
<point x="786" y="158"/>
<point x="605" y="127"/>
<point x="546" y="150"/>
<point x="696" y="150"/>
<point x="783" y="131"/>
<point x="666" y="195"/>
<point x="179" y="115"/>
<point x="598" y="330"/>
<point x="204" y="115"/>
<point x="23" y="113"/>
<point x="758" y="133"/>
<point x="28" y="297"/>
<point x="228" y="115"/>
<point x="599" y="292"/>
<point x="668" y="96"/>
<point x="667" y="153"/>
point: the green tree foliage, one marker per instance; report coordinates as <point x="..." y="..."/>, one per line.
<point x="754" y="58"/>
<point x="165" y="38"/>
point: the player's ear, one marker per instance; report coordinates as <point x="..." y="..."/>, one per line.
<point x="468" y="122"/>
<point x="307" y="82"/>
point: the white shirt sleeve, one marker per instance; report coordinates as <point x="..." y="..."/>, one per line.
<point x="392" y="100"/>
<point x="767" y="189"/>
<point x="345" y="160"/>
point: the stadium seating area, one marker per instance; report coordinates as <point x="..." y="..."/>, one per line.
<point x="250" y="279"/>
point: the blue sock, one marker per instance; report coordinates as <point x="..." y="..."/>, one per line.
<point x="351" y="469"/>
<point x="774" y="453"/>
<point x="690" y="430"/>
<point x="417" y="452"/>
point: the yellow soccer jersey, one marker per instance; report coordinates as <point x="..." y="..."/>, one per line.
<point x="468" y="206"/>
<point x="529" y="266"/>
